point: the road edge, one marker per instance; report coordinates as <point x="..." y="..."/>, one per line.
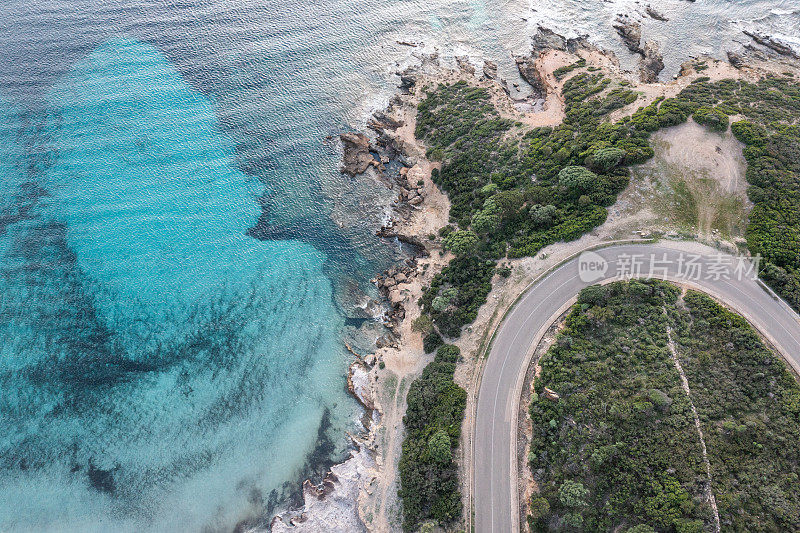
<point x="468" y="455"/>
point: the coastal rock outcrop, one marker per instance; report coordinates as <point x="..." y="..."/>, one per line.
<point x="773" y="44"/>
<point x="357" y="157"/>
<point x="736" y="60"/>
<point x="526" y="65"/>
<point x="408" y="78"/>
<point x="651" y="64"/>
<point x="358" y="383"/>
<point x="547" y="39"/>
<point x="464" y="65"/>
<point x="489" y="70"/>
<point x="333" y="504"/>
<point x="380" y="122"/>
<point x="631" y="33"/>
<point x="392" y="284"/>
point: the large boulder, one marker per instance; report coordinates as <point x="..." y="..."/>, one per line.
<point x="547" y="39"/>
<point x="357" y="157"/>
<point x="631" y="33"/>
<point x="526" y="66"/>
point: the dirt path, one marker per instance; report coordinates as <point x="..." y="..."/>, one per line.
<point x="393" y="420"/>
<point x="685" y="384"/>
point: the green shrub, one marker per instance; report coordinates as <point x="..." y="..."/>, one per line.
<point x="605" y="159"/>
<point x="712" y="118"/>
<point x="431" y="342"/>
<point x="439" y="447"/>
<point x="461" y="242"/>
<point x="449" y="353"/>
<point x="749" y="133"/>
<point x="572" y="494"/>
<point x="577" y="179"/>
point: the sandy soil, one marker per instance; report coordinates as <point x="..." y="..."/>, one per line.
<point x="707" y="166"/>
<point x="686" y="152"/>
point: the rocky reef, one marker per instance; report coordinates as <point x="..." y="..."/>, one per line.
<point x="651" y="62"/>
<point x="773" y="44"/>
<point x="357" y="157"/>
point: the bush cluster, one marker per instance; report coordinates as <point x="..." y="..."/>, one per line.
<point x="619" y="450"/>
<point x="429" y="485"/>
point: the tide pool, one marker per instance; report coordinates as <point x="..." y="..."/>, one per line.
<point x="161" y="370"/>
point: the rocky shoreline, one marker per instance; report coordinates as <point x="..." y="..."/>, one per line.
<point x="338" y="503"/>
<point x="357" y="495"/>
<point x="333" y="504"/>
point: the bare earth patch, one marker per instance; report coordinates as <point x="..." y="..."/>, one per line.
<point x="695" y="183"/>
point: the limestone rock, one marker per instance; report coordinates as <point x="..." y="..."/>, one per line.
<point x="655" y="14"/>
<point x="773" y="44"/>
<point x="357" y="157"/>
<point x="490" y="70"/>
<point x="545" y="38"/>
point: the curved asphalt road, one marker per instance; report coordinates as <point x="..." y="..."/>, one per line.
<point x="494" y="462"/>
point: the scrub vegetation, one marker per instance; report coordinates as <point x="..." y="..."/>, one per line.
<point x="617" y="449"/>
<point x="514" y="190"/>
<point x="430" y="485"/>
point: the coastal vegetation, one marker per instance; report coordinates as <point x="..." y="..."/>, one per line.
<point x="514" y="189"/>
<point x="614" y="444"/>
<point x="428" y="473"/>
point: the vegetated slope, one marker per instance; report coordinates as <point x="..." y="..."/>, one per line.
<point x="430" y="485"/>
<point x="514" y="190"/>
<point x="619" y="448"/>
<point x="749" y="406"/>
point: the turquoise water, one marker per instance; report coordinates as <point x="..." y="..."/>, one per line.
<point x="142" y="378"/>
<point x="179" y="255"/>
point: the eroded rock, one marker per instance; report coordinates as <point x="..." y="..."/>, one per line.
<point x="631" y="33"/>
<point x="357" y="157"/>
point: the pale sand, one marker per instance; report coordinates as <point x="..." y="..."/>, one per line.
<point x="378" y="506"/>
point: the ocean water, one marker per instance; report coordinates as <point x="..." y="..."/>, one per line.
<point x="152" y="350"/>
<point x="179" y="254"/>
<point x="706" y="27"/>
